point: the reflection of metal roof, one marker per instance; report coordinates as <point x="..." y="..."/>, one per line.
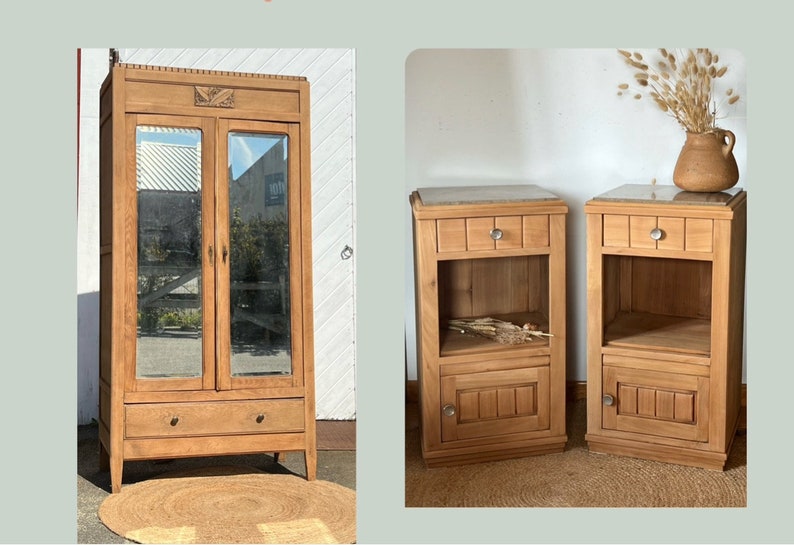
<point x="168" y="167"/>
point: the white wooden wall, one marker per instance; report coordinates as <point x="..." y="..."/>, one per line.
<point x="331" y="74"/>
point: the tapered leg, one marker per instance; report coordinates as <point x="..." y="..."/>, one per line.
<point x="116" y="467"/>
<point x="311" y="464"/>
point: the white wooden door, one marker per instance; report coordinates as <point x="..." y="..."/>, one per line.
<point x="331" y="74"/>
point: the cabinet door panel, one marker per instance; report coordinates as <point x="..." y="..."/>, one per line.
<point x="494" y="403"/>
<point x="656" y="403"/>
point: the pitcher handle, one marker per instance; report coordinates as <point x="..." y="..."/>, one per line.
<point x="728" y="141"/>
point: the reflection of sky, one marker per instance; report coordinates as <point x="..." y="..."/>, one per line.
<point x="180" y="137"/>
<point x="244" y="148"/>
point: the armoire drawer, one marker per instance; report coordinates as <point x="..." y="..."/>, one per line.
<point x="658" y="232"/>
<point x="216" y="418"/>
<point x="492" y="233"/>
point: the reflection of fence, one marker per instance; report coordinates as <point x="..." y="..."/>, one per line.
<point x="275" y="322"/>
<point x="164" y="297"/>
<point x="157" y="297"/>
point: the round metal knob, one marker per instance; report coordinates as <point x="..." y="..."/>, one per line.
<point x="656" y="233"/>
<point x="174" y="420"/>
<point x="449" y="410"/>
<point x="608" y="400"/>
<point x="260" y="418"/>
<point x="496" y="233"/>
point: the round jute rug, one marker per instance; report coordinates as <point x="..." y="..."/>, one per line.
<point x="231" y="505"/>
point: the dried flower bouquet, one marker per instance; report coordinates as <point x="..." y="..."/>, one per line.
<point x="681" y="84"/>
<point x="498" y="330"/>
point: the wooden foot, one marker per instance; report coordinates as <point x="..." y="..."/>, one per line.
<point x="310" y="455"/>
<point x="116" y="467"/>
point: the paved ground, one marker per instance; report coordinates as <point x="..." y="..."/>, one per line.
<point x="179" y="354"/>
<point x="93" y="486"/>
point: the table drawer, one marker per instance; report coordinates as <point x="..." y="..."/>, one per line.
<point x="492" y="233"/>
<point x="217" y="418"/>
<point x="658" y="232"/>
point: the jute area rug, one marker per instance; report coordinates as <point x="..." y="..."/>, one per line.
<point x="231" y="504"/>
<point x="574" y="478"/>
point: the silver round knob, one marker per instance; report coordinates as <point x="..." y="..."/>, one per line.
<point x="496" y="234"/>
<point x="656" y="233"/>
<point x="449" y="410"/>
<point x="608" y="400"/>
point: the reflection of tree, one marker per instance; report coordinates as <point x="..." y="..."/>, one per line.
<point x="259" y="255"/>
<point x="169" y="250"/>
<point x="258" y="247"/>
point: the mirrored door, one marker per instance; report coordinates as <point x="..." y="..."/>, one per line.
<point x="256" y="238"/>
<point x="174" y="281"/>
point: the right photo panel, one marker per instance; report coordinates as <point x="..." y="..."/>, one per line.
<point x="576" y="241"/>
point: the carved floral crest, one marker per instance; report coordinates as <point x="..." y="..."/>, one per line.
<point x="214" y="96"/>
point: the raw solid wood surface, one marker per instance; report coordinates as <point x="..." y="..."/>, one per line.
<point x="214" y="418"/>
<point x="665" y="329"/>
<point x="509" y="400"/>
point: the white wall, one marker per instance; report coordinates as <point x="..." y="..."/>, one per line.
<point x="549" y="117"/>
<point x="94" y="68"/>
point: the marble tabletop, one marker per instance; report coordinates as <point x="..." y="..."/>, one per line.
<point x="660" y="194"/>
<point x="434" y="196"/>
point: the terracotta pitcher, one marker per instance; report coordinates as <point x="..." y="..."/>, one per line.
<point x="706" y="163"/>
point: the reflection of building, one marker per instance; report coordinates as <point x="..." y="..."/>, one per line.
<point x="261" y="190"/>
<point x="259" y="241"/>
<point x="169" y="219"/>
<point x="169" y="232"/>
<point x="169" y="201"/>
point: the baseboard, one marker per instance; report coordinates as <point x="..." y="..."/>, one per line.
<point x="412" y="391"/>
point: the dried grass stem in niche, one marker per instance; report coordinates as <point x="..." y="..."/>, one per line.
<point x="681" y="84"/>
<point x="498" y="330"/>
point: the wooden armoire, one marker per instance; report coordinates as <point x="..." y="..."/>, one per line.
<point x="206" y="330"/>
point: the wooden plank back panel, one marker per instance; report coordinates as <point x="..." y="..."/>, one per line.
<point x="654" y="279"/>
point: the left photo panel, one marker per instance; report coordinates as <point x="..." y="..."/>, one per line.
<point x="216" y="295"/>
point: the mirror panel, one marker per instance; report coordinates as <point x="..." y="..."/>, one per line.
<point x="259" y="255"/>
<point x="168" y="167"/>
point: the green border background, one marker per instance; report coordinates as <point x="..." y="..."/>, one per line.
<point x="39" y="232"/>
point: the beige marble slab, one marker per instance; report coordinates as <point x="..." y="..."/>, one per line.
<point x="639" y="193"/>
<point x="435" y="196"/>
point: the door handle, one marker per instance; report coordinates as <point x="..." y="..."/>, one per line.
<point x="225" y="253"/>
